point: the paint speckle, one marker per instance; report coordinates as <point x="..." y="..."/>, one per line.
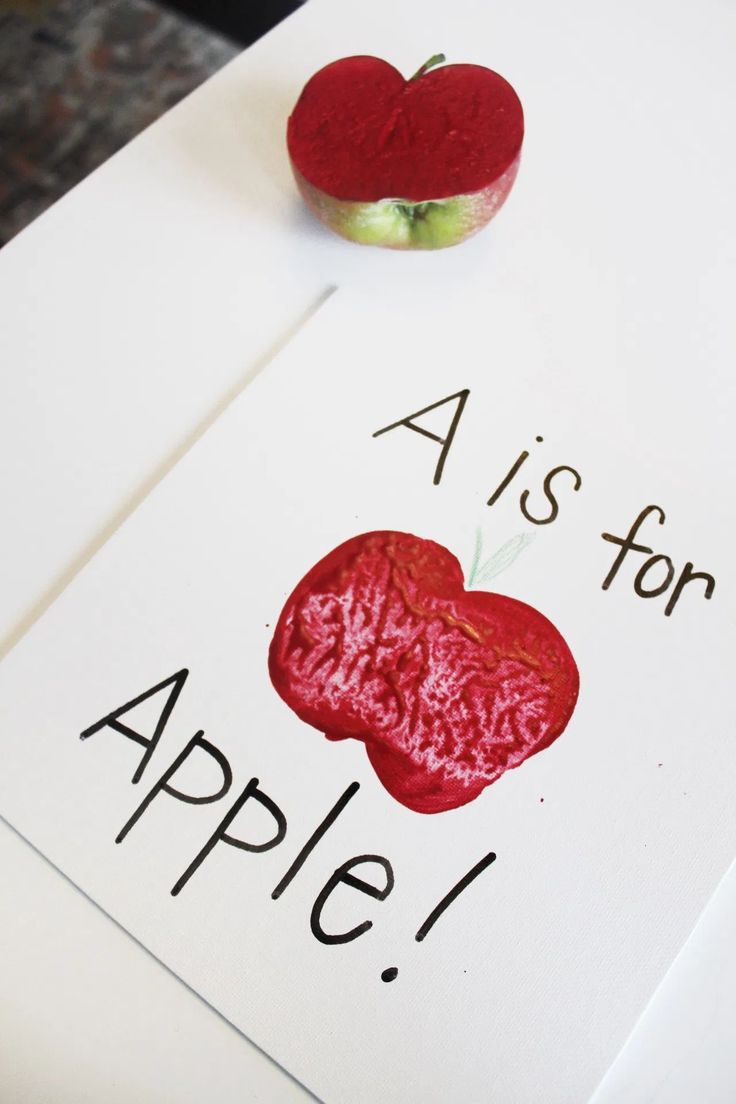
<point x="541" y="801"/>
<point x="390" y="973"/>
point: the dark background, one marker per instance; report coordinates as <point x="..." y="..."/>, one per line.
<point x="80" y="78"/>
<point x="242" y="20"/>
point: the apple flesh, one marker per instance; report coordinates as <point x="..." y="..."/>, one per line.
<point x="408" y="164"/>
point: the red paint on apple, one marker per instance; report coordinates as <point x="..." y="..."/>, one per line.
<point x="420" y="163"/>
<point x="447" y="688"/>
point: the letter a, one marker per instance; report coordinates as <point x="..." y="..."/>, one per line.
<point x="111" y="720"/>
<point x="460" y="397"/>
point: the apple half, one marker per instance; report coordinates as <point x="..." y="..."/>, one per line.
<point x="408" y="164"/>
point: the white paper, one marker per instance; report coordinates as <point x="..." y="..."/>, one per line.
<point x="608" y="842"/>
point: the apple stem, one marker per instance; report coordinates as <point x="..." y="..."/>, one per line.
<point x="436" y="59"/>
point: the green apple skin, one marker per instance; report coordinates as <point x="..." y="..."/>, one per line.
<point x="405" y="224"/>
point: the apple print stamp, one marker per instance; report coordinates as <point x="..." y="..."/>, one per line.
<point x="409" y="164"/>
<point x="447" y="688"/>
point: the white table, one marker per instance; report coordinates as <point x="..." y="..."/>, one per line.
<point x="131" y="313"/>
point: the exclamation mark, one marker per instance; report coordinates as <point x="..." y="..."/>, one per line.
<point x="391" y="972"/>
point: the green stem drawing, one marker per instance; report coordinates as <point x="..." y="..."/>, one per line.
<point x="482" y="571"/>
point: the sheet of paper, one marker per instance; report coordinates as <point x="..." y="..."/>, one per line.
<point x="590" y="858"/>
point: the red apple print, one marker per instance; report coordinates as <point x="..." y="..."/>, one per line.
<point x="447" y="688"/>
